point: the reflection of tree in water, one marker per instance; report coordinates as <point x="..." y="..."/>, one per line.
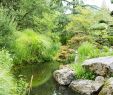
<point x="52" y="88"/>
<point x="43" y="84"/>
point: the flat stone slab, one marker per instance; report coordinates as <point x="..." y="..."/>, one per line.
<point x="102" y="66"/>
<point x="86" y="87"/>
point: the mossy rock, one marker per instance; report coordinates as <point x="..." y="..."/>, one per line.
<point x="108" y="88"/>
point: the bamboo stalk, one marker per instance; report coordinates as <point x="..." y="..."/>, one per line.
<point x="30" y="85"/>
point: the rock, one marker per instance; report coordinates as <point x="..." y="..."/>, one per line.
<point x="108" y="88"/>
<point x="86" y="87"/>
<point x="64" y="76"/>
<point x="102" y="66"/>
<point x="100" y="79"/>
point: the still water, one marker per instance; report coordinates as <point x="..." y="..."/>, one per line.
<point x="43" y="83"/>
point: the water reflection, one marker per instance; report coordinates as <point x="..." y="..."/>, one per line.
<point x="52" y="88"/>
<point x="43" y="83"/>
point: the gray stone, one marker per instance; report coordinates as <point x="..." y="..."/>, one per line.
<point x="64" y="76"/>
<point x="100" y="79"/>
<point x="108" y="88"/>
<point x="86" y="87"/>
<point x="102" y="66"/>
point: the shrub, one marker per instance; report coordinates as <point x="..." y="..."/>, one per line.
<point x="66" y="55"/>
<point x="78" y="39"/>
<point x="30" y="47"/>
<point x="101" y="37"/>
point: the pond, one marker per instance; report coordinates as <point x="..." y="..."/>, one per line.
<point x="43" y="83"/>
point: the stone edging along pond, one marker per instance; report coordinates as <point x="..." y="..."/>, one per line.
<point x="103" y="83"/>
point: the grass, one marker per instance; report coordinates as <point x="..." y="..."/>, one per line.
<point x="81" y="73"/>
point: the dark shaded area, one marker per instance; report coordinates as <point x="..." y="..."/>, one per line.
<point x="111" y="13"/>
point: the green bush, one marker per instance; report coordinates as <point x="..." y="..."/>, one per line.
<point x="30" y="47"/>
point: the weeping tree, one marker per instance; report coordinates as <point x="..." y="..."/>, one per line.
<point x="66" y="4"/>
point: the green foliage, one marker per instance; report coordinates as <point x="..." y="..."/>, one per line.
<point x="78" y="39"/>
<point x="62" y="20"/>
<point x="7" y="27"/>
<point x="101" y="37"/>
<point x="5" y="60"/>
<point x="81" y="73"/>
<point x="110" y="39"/>
<point x="46" y="24"/>
<point x="102" y="15"/>
<point x="90" y="22"/>
<point x="87" y="50"/>
<point x="99" y="26"/>
<point x="8" y="83"/>
<point x="27" y="10"/>
<point x="21" y="87"/>
<point x="33" y="29"/>
<point x="80" y="22"/>
<point x="31" y="47"/>
<point x="106" y="51"/>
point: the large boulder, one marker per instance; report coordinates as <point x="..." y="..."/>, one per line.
<point x="64" y="76"/>
<point x="108" y="88"/>
<point x="102" y="66"/>
<point x="86" y="87"/>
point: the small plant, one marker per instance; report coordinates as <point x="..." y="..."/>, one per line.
<point x="87" y="50"/>
<point x="81" y="73"/>
<point x="21" y="88"/>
